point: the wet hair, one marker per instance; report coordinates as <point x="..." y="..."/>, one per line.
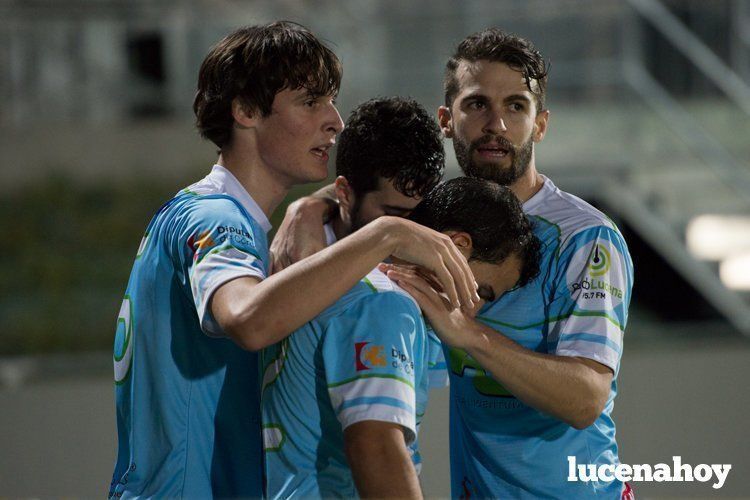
<point x="393" y="138"/>
<point x="495" y="45"/>
<point x="491" y="214"/>
<point x="254" y="64"/>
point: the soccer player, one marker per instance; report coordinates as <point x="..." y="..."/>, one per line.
<point x="389" y="155"/>
<point x="200" y="297"/>
<point x="533" y="377"/>
<point x="340" y="399"/>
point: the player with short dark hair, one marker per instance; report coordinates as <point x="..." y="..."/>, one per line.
<point x="390" y="155"/>
<point x="342" y="395"/>
<point x="201" y="297"/>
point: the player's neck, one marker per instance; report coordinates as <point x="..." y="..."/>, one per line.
<point x="340" y="228"/>
<point x="529" y="184"/>
<point x="267" y="189"/>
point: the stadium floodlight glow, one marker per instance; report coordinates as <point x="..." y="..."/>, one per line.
<point x="716" y="237"/>
<point x="735" y="272"/>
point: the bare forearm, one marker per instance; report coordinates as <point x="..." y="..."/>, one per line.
<point x="570" y="389"/>
<point x="386" y="472"/>
<point x="285" y="301"/>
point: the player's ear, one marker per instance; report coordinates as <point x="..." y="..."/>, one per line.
<point x="344" y="193"/>
<point x="445" y="119"/>
<point x="463" y="242"/>
<point x="540" y="125"/>
<point x="244" y="118"/>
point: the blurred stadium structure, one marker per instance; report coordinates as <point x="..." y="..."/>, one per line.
<point x="650" y="104"/>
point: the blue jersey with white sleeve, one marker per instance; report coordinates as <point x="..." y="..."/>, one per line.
<point x="361" y="359"/>
<point x="187" y="398"/>
<point x="437" y="372"/>
<point x="577" y="306"/>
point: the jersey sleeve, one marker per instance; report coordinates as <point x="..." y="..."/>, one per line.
<point x="218" y="242"/>
<point x="592" y="293"/>
<point x="369" y="355"/>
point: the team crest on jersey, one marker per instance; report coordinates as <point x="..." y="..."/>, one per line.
<point x="592" y="278"/>
<point x="367" y="356"/>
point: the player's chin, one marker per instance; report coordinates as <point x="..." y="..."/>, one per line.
<point x="316" y="173"/>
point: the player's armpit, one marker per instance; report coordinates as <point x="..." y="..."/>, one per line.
<point x="229" y="309"/>
<point x="380" y="461"/>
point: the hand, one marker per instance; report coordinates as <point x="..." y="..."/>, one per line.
<point x="450" y="324"/>
<point x="301" y="233"/>
<point x="436" y="253"/>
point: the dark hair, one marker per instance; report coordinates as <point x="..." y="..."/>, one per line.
<point x="495" y="45"/>
<point x="490" y="213"/>
<point x="253" y="64"/>
<point x="393" y="138"/>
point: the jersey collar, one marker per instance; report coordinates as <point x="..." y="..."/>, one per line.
<point x="539" y="197"/>
<point x="226" y="183"/>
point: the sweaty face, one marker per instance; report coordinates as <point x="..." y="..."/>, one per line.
<point x="496" y="279"/>
<point x="492" y="121"/>
<point x="385" y="200"/>
<point x="294" y="140"/>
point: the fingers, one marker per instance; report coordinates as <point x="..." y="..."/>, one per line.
<point x="414" y="280"/>
<point x="460" y="270"/>
<point x="422" y="272"/>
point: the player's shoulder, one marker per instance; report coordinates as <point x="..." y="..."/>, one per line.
<point x="375" y="292"/>
<point x="573" y="218"/>
<point x="204" y="206"/>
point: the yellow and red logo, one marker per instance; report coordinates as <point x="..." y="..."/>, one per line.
<point x="368" y="356"/>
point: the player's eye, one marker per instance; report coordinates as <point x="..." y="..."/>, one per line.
<point x="516" y="106"/>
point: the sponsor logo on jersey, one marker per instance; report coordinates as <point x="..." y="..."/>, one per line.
<point x="462" y="364"/>
<point x="600" y="284"/>
<point x="233" y="230"/>
<point x="203" y="240"/>
<point x="367" y="356"/>
<point x="600" y="261"/>
<point x="401" y="361"/>
<point x="123" y="352"/>
<point x="142" y="246"/>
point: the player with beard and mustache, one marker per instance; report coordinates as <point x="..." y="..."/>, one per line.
<point x="533" y="375"/>
<point x="520" y="157"/>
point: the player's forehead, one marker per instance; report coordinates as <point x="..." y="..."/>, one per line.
<point x="490" y="79"/>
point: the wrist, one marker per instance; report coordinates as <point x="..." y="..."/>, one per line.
<point x="311" y="208"/>
<point x="389" y="231"/>
<point x="474" y="337"/>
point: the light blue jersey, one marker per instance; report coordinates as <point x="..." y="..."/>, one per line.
<point x="363" y="358"/>
<point x="188" y="406"/>
<point x="437" y="372"/>
<point x="578" y="306"/>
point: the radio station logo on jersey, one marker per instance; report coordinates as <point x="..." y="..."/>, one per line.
<point x="600" y="280"/>
<point x="368" y="356"/>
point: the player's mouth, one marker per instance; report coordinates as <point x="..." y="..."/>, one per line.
<point x="322" y="151"/>
<point x="493" y="151"/>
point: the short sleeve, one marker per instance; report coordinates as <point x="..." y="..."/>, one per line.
<point x="592" y="294"/>
<point x="218" y="242"/>
<point x="369" y="356"/>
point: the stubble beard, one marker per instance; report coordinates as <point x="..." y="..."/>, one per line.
<point x="505" y="176"/>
